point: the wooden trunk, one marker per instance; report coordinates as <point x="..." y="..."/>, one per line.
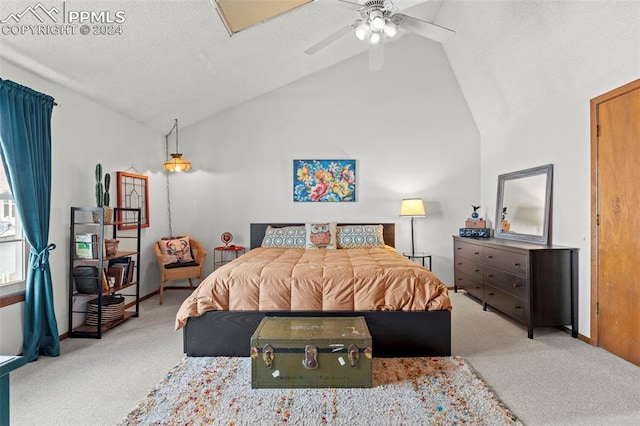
<point x="311" y="352"/>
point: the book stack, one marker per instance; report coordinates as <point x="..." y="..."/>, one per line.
<point x="475" y="226"/>
<point x="122" y="270"/>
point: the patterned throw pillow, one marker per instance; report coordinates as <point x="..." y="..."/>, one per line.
<point x="285" y="237"/>
<point x="321" y="235"/>
<point x="176" y="251"/>
<point x="360" y="236"/>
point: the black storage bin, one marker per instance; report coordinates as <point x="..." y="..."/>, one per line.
<point x="87" y="279"/>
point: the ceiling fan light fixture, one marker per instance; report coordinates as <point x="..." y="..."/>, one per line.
<point x="376" y="18"/>
<point x="375" y="38"/>
<point x="362" y="31"/>
<point x="390" y="29"/>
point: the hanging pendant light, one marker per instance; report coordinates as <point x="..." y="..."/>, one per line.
<point x="176" y="163"/>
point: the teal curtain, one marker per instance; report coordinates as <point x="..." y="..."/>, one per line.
<point x="25" y="140"/>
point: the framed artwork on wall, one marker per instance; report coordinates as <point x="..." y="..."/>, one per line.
<point x="133" y="193"/>
<point x="324" y="180"/>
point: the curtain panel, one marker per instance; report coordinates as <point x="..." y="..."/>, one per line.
<point x="25" y="140"/>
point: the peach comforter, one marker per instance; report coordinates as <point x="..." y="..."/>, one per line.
<point x="274" y="279"/>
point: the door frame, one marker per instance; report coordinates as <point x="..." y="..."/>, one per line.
<point x="595" y="102"/>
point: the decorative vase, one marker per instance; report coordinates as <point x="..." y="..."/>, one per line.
<point x="110" y="247"/>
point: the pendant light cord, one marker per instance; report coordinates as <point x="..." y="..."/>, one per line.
<point x="176" y="127"/>
<point x="166" y="140"/>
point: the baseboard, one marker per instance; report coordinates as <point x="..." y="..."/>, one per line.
<point x="585" y="339"/>
<point x="126" y="306"/>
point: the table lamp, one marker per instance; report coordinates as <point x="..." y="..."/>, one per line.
<point x="412" y="207"/>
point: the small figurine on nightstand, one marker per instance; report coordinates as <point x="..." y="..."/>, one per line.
<point x="226" y="238"/>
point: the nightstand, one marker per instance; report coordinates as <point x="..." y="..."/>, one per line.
<point x="421" y="256"/>
<point x="220" y="250"/>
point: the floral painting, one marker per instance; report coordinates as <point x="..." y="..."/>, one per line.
<point x="324" y="180"/>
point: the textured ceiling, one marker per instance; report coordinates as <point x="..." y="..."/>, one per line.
<point x="512" y="57"/>
<point x="175" y="58"/>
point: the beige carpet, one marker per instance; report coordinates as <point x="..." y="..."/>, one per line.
<point x="409" y="391"/>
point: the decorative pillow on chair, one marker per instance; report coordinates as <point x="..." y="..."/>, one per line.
<point x="321" y="235"/>
<point x="285" y="237"/>
<point x="360" y="236"/>
<point x="176" y="251"/>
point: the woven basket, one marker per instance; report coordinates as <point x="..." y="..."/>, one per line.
<point x="112" y="309"/>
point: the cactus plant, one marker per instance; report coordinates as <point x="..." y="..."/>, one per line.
<point x="107" y="183"/>
<point x="102" y="190"/>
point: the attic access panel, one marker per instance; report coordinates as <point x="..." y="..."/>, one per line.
<point x="238" y="15"/>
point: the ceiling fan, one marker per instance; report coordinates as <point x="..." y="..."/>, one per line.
<point x="379" y="21"/>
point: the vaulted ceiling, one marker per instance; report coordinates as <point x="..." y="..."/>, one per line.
<point x="175" y="58"/>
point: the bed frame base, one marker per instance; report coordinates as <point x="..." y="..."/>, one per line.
<point x="395" y="334"/>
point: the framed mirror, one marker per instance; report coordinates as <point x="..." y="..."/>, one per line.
<point x="523" y="208"/>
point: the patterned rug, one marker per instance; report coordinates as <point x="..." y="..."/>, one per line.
<point x="405" y="391"/>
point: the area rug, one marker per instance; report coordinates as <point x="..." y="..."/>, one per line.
<point x="405" y="391"/>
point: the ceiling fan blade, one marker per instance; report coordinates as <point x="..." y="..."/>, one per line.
<point x="331" y="38"/>
<point x="376" y="57"/>
<point x="351" y="5"/>
<point x="423" y="28"/>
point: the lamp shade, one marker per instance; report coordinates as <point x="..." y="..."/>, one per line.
<point x="412" y="207"/>
<point x="177" y="164"/>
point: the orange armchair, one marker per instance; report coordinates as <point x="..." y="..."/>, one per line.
<point x="181" y="272"/>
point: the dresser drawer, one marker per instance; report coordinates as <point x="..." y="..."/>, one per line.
<point x="469" y="267"/>
<point x="505" y="303"/>
<point x="511" y="283"/>
<point x="469" y="283"/>
<point x="515" y="263"/>
<point x="470" y="251"/>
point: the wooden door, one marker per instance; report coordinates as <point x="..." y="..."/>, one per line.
<point x="615" y="266"/>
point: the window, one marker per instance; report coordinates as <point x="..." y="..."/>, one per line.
<point x="12" y="243"/>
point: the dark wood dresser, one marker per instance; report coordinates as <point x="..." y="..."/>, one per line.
<point x="532" y="283"/>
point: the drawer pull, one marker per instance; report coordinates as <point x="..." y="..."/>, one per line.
<point x="476" y="252"/>
<point x="516" y="285"/>
<point x="518" y="307"/>
<point x="459" y="263"/>
<point x="489" y="257"/>
<point x="477" y="287"/>
<point x="458" y="248"/>
<point x="490" y="275"/>
<point x="490" y="294"/>
<point x="516" y="264"/>
<point x="476" y="270"/>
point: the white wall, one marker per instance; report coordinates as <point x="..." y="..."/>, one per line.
<point x="528" y="71"/>
<point x="407" y="126"/>
<point x="83" y="134"/>
<point x="564" y="140"/>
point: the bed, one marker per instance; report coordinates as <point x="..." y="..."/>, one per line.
<point x="415" y="323"/>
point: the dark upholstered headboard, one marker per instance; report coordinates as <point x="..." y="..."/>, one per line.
<point x="258" y="229"/>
